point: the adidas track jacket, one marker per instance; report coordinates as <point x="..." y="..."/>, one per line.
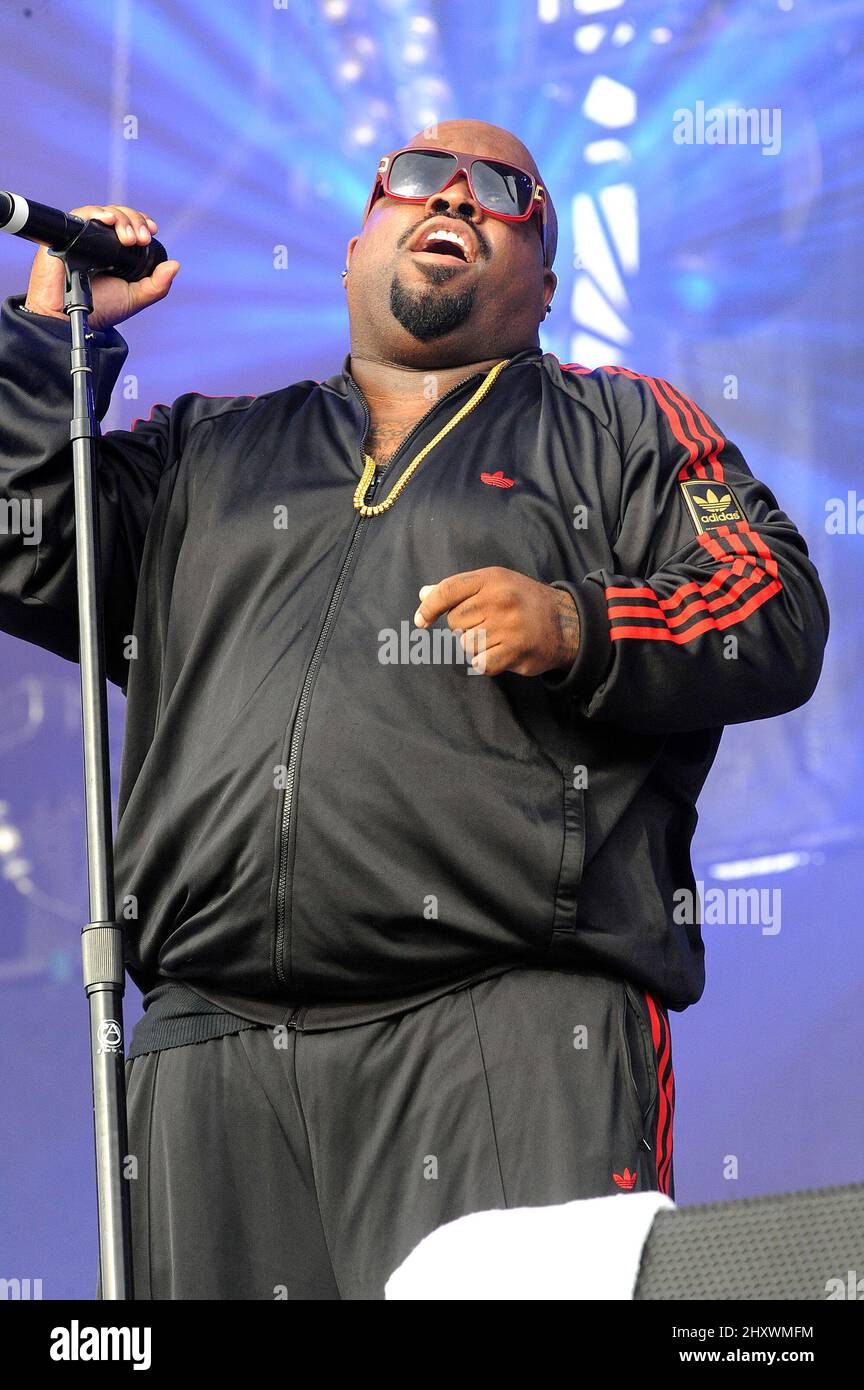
<point x="302" y="818"/>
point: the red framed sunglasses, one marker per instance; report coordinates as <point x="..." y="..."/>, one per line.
<point x="503" y="190"/>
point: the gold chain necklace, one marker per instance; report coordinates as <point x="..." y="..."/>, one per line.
<point x="398" y="487"/>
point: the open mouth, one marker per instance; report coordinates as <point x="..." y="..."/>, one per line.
<point x="445" y="243"/>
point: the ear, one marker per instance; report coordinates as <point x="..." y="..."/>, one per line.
<point x="550" y="284"/>
<point x="349" y="250"/>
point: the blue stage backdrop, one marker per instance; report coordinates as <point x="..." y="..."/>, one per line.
<point x="720" y="251"/>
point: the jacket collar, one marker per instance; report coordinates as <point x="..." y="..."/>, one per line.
<point x="340" y="381"/>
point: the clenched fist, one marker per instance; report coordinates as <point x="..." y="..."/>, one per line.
<point x="506" y="621"/>
<point x="113" y="299"/>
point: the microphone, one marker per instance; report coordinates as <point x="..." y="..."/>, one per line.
<point x="97" y="242"/>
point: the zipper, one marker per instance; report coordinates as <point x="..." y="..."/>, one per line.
<point x="299" y="729"/>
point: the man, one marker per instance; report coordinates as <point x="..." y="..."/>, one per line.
<point x="404" y="906"/>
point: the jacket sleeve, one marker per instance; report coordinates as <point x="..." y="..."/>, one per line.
<point x="713" y="613"/>
<point x="38" y="584"/>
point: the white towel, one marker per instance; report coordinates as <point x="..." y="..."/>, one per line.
<point x="589" y="1249"/>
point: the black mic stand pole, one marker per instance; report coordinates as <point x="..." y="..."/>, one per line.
<point x="102" y="936"/>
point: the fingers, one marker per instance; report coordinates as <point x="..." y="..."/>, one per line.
<point x="465" y="621"/>
<point x="440" y="598"/>
<point x="491" y="661"/>
<point x="478" y="648"/>
<point x="132" y="227"/>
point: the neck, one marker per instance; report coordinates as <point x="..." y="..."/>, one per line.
<point x="396" y="387"/>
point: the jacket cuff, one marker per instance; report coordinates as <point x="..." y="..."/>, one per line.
<point x="594" y="656"/>
<point x="62" y="328"/>
<point x="47" y="342"/>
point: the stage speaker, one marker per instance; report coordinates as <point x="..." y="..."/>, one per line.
<point x="799" y="1245"/>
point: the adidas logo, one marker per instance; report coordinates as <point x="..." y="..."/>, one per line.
<point x="712" y="502"/>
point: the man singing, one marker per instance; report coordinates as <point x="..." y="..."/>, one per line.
<point x="426" y="665"/>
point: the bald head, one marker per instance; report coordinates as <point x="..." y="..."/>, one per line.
<point x="481" y="137"/>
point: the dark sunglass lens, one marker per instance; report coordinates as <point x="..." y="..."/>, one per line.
<point x="418" y="173"/>
<point x="501" y="188"/>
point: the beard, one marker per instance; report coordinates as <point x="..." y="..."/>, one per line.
<point x="432" y="313"/>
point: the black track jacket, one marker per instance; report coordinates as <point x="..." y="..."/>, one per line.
<point x="309" y="811"/>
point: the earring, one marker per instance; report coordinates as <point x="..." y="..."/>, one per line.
<point x="344" y="272"/>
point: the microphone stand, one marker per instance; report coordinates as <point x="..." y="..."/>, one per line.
<point x="102" y="936"/>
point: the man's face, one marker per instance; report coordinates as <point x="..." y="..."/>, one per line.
<point x="410" y="295"/>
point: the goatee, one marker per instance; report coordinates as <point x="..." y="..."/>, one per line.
<point x="430" y="314"/>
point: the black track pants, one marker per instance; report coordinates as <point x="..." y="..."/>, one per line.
<point x="306" y="1165"/>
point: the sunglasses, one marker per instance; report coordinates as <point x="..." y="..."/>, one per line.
<point x="503" y="190"/>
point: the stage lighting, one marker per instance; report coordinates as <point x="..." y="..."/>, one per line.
<point x="610" y="103"/>
<point x="588" y="37"/>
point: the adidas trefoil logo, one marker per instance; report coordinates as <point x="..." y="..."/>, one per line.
<point x="712" y="500"/>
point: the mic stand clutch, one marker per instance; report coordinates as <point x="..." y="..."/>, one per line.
<point x="102" y="936"/>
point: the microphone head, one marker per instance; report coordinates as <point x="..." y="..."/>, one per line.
<point x="7" y="208"/>
<point x="137" y="262"/>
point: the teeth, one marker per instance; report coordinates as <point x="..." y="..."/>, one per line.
<point x="444" y="234"/>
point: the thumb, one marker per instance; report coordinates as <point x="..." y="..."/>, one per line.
<point x="157" y="285"/>
<point x="164" y="273"/>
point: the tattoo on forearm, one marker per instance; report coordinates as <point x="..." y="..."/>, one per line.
<point x="568" y="627"/>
